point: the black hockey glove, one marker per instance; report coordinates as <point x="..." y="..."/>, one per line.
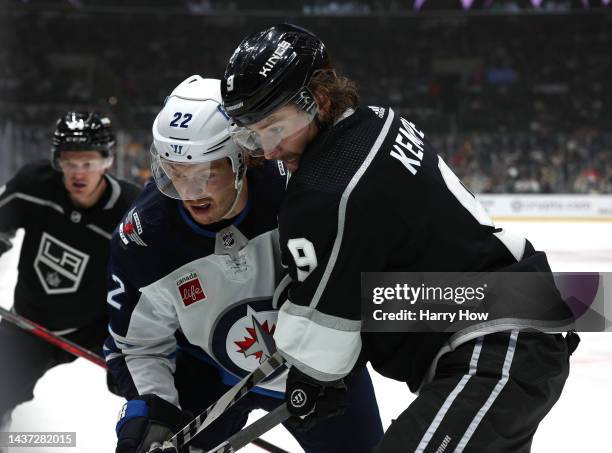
<point x="148" y="420"/>
<point x="311" y="401"/>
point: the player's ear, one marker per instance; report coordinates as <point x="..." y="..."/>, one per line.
<point x="109" y="163"/>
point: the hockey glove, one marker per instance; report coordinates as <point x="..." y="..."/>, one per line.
<point x="167" y="447"/>
<point x="310" y="401"/>
<point x="147" y="420"/>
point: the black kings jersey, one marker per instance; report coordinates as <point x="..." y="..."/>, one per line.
<point x="370" y="195"/>
<point x="206" y="289"/>
<point x="65" y="249"/>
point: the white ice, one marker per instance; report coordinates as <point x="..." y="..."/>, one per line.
<point x="74" y="398"/>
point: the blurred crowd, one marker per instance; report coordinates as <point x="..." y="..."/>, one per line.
<point x="578" y="162"/>
<point x="531" y="162"/>
<point x="514" y="102"/>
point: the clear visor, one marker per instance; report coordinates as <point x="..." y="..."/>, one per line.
<point x="286" y="122"/>
<point x="191" y="181"/>
<point x="77" y="165"/>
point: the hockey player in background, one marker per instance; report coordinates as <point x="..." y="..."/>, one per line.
<point x="193" y="269"/>
<point x="68" y="208"/>
<point x="368" y="193"/>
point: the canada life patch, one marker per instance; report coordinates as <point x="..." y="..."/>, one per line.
<point x="190" y="289"/>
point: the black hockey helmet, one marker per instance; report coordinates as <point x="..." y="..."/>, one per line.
<point x="268" y="69"/>
<point x="83" y="131"/>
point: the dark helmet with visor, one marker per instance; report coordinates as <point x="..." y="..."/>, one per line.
<point x="267" y="71"/>
<point x="83" y="131"/>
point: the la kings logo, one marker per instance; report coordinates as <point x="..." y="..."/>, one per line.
<point x="59" y="266"/>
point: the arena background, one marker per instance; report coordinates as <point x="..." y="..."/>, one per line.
<point x="516" y="96"/>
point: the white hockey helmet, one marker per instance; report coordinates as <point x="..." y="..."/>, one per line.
<point x="190" y="137"/>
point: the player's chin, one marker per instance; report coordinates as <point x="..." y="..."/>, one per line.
<point x="204" y="215"/>
<point x="78" y="187"/>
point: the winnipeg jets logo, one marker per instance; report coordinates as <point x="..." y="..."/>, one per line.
<point x="242" y="337"/>
<point x="259" y="343"/>
<point x="131" y="229"/>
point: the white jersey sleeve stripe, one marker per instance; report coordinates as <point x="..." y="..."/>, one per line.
<point x="31" y="199"/>
<point x="115" y="192"/>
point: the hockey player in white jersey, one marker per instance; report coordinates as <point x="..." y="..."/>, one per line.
<point x="193" y="269"/>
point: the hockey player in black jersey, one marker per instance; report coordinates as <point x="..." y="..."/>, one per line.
<point x="194" y="265"/>
<point x="68" y="208"/>
<point x="368" y="193"/>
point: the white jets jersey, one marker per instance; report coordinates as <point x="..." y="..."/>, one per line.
<point x="206" y="290"/>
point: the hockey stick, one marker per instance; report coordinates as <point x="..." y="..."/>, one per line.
<point x="51" y="337"/>
<point x="247" y="435"/>
<point x="79" y="351"/>
<point x="267" y="446"/>
<point x="180" y="439"/>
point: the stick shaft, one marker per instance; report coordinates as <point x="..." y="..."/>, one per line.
<point x="51" y="337"/>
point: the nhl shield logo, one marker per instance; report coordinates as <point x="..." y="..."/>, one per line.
<point x="75" y="216"/>
<point x="228" y="239"/>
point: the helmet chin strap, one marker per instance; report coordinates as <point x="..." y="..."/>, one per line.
<point x="239" y="186"/>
